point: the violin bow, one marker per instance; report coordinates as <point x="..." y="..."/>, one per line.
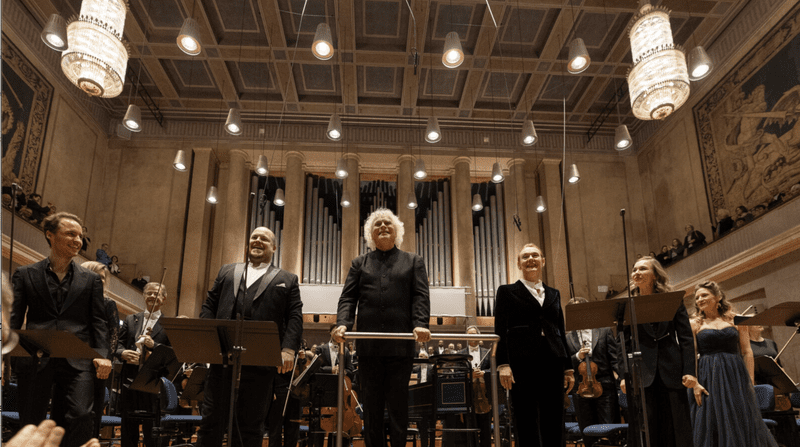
<point x="291" y="379"/>
<point x="150" y="314"/>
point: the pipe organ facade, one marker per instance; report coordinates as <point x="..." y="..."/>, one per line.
<point x="490" y="242"/>
<point x="433" y="230"/>
<point x="322" y="246"/>
<point x="264" y="211"/>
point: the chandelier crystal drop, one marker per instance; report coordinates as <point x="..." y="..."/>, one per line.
<point x="659" y="79"/>
<point x="96" y="58"/>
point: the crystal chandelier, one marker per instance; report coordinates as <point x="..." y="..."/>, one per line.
<point x="97" y="58"/>
<point x="659" y="80"/>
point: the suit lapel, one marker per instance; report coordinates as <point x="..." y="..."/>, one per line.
<point x="574" y="342"/>
<point x="79" y="280"/>
<point x="595" y="338"/>
<point x="138" y="322"/>
<point x="40" y="284"/>
<point x="524" y="293"/>
<point x="238" y="271"/>
<point x="266" y="281"/>
<point x="156" y="330"/>
<point x="549" y="297"/>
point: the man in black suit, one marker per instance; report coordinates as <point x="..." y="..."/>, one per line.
<point x="140" y="334"/>
<point x="269" y="294"/>
<point x="601" y="347"/>
<point x="58" y="294"/>
<point x="390" y="289"/>
<point x="329" y="356"/>
<point x="530" y="323"/>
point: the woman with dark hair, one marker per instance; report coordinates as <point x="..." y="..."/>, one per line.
<point x="730" y="415"/>
<point x="664" y="257"/>
<point x="676" y="250"/>
<point x="694" y="240"/>
<point x="743" y="213"/>
<point x="667" y="366"/>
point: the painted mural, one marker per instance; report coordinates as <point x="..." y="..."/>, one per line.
<point x="26" y="97"/>
<point x="748" y="126"/>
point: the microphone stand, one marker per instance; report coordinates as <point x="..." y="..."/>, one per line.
<point x="633" y="368"/>
<point x="14" y="188"/>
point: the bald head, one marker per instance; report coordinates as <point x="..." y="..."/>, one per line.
<point x="261" y="245"/>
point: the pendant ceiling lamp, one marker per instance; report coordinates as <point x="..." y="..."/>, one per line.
<point x="233" y="125"/>
<point x="279" y="199"/>
<point x="622" y="138"/>
<point x="497" y="173"/>
<point x="659" y="79"/>
<point x="345" y="199"/>
<point x="529" y="136"/>
<point x="432" y="132"/>
<point x="323" y="42"/>
<point x="453" y="54"/>
<point x="180" y="161"/>
<point x="574" y="176"/>
<point x="411" y="203"/>
<point x="540" y="206"/>
<point x="133" y="118"/>
<point x="419" y="169"/>
<point x="54" y="33"/>
<point x="212" y="195"/>
<point x="477" y="202"/>
<point x="341" y="168"/>
<point x="699" y="64"/>
<point x="579" y="59"/>
<point x="189" y="37"/>
<point x="335" y="128"/>
<point x="96" y="58"/>
<point x="262" y="167"/>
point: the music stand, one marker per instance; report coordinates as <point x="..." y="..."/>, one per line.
<point x="37" y="343"/>
<point x="767" y="368"/>
<point x="194" y="386"/>
<point x="160" y="363"/>
<point x="783" y="314"/>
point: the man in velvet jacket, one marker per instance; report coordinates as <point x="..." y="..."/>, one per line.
<point x="59" y="294"/>
<point x="533" y="344"/>
<point x="390" y="289"/>
<point x="140" y="333"/>
<point x="270" y="294"/>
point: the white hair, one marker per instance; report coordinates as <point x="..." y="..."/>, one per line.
<point x="399" y="231"/>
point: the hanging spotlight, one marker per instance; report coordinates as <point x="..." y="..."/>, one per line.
<point x="335" y="128"/>
<point x="323" y="43"/>
<point x="622" y="138"/>
<point x="341" y="168"/>
<point x="699" y="64"/>
<point x="233" y="125"/>
<point x="180" y="161"/>
<point x="279" y="199"/>
<point x="133" y="118"/>
<point x="212" y="195"/>
<point x="529" y="136"/>
<point x="262" y="168"/>
<point x="477" y="202"/>
<point x="453" y="55"/>
<point x="432" y="132"/>
<point x="54" y="33"/>
<point x="540" y="206"/>
<point x="345" y="199"/>
<point x="574" y="176"/>
<point x="412" y="201"/>
<point x="419" y="169"/>
<point x="579" y="59"/>
<point x="189" y="37"/>
<point x="497" y="173"/>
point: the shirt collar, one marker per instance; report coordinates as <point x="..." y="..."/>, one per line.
<point x="534" y="285"/>
<point x="48" y="265"/>
<point x="156" y="315"/>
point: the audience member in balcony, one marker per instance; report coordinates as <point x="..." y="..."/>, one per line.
<point x="676" y="250"/>
<point x="7" y="189"/>
<point x="724" y="410"/>
<point x="114" y="267"/>
<point x="743" y="213"/>
<point x="759" y="210"/>
<point x="694" y="240"/>
<point x="140" y="281"/>
<point x="776" y="200"/>
<point x="38" y="212"/>
<point x="739" y="223"/>
<point x="85" y="240"/>
<point x="102" y="255"/>
<point x="724" y="223"/>
<point x="794" y="191"/>
<point x="664" y="257"/>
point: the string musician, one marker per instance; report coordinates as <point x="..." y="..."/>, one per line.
<point x="600" y="347"/>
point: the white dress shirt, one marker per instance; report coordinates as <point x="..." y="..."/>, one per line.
<point x="150" y="322"/>
<point x="536" y="289"/>
<point x="254" y="273"/>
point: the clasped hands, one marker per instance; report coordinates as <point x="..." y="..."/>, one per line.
<point x="507" y="378"/>
<point x="421" y="334"/>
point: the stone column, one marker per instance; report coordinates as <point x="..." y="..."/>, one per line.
<point x="193" y="281"/>
<point x="350" y="216"/>
<point x="515" y="203"/>
<point x="555" y="245"/>
<point x="405" y="185"/>
<point x="463" y="244"/>
<point x="234" y="234"/>
<point x="294" y="215"/>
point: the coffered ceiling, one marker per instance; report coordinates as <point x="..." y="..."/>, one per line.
<point x="256" y="56"/>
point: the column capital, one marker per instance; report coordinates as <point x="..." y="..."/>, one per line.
<point x="240" y="152"/>
<point x="551" y="161"/>
<point x="352" y="156"/>
<point x="405" y="157"/>
<point x="297" y="155"/>
<point x="458" y="160"/>
<point x="516" y="161"/>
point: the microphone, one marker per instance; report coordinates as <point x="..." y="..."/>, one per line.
<point x="622" y="212"/>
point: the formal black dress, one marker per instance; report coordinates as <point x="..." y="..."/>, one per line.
<point x="729" y="416"/>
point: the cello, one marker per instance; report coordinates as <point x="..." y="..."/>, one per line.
<point x="351" y="419"/>
<point x="589" y="388"/>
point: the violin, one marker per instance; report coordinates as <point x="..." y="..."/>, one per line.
<point x="589" y="387"/>
<point x="480" y="401"/>
<point x="351" y="416"/>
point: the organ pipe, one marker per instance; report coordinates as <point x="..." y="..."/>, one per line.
<point x="322" y="248"/>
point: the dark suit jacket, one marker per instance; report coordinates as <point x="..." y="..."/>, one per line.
<point x="604" y="354"/>
<point x="327" y="363"/>
<point x="667" y="351"/>
<point x="390" y="291"/>
<point x="82" y="313"/>
<point x="485" y="365"/>
<point x="520" y="322"/>
<point x="131" y="329"/>
<point x="277" y="300"/>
